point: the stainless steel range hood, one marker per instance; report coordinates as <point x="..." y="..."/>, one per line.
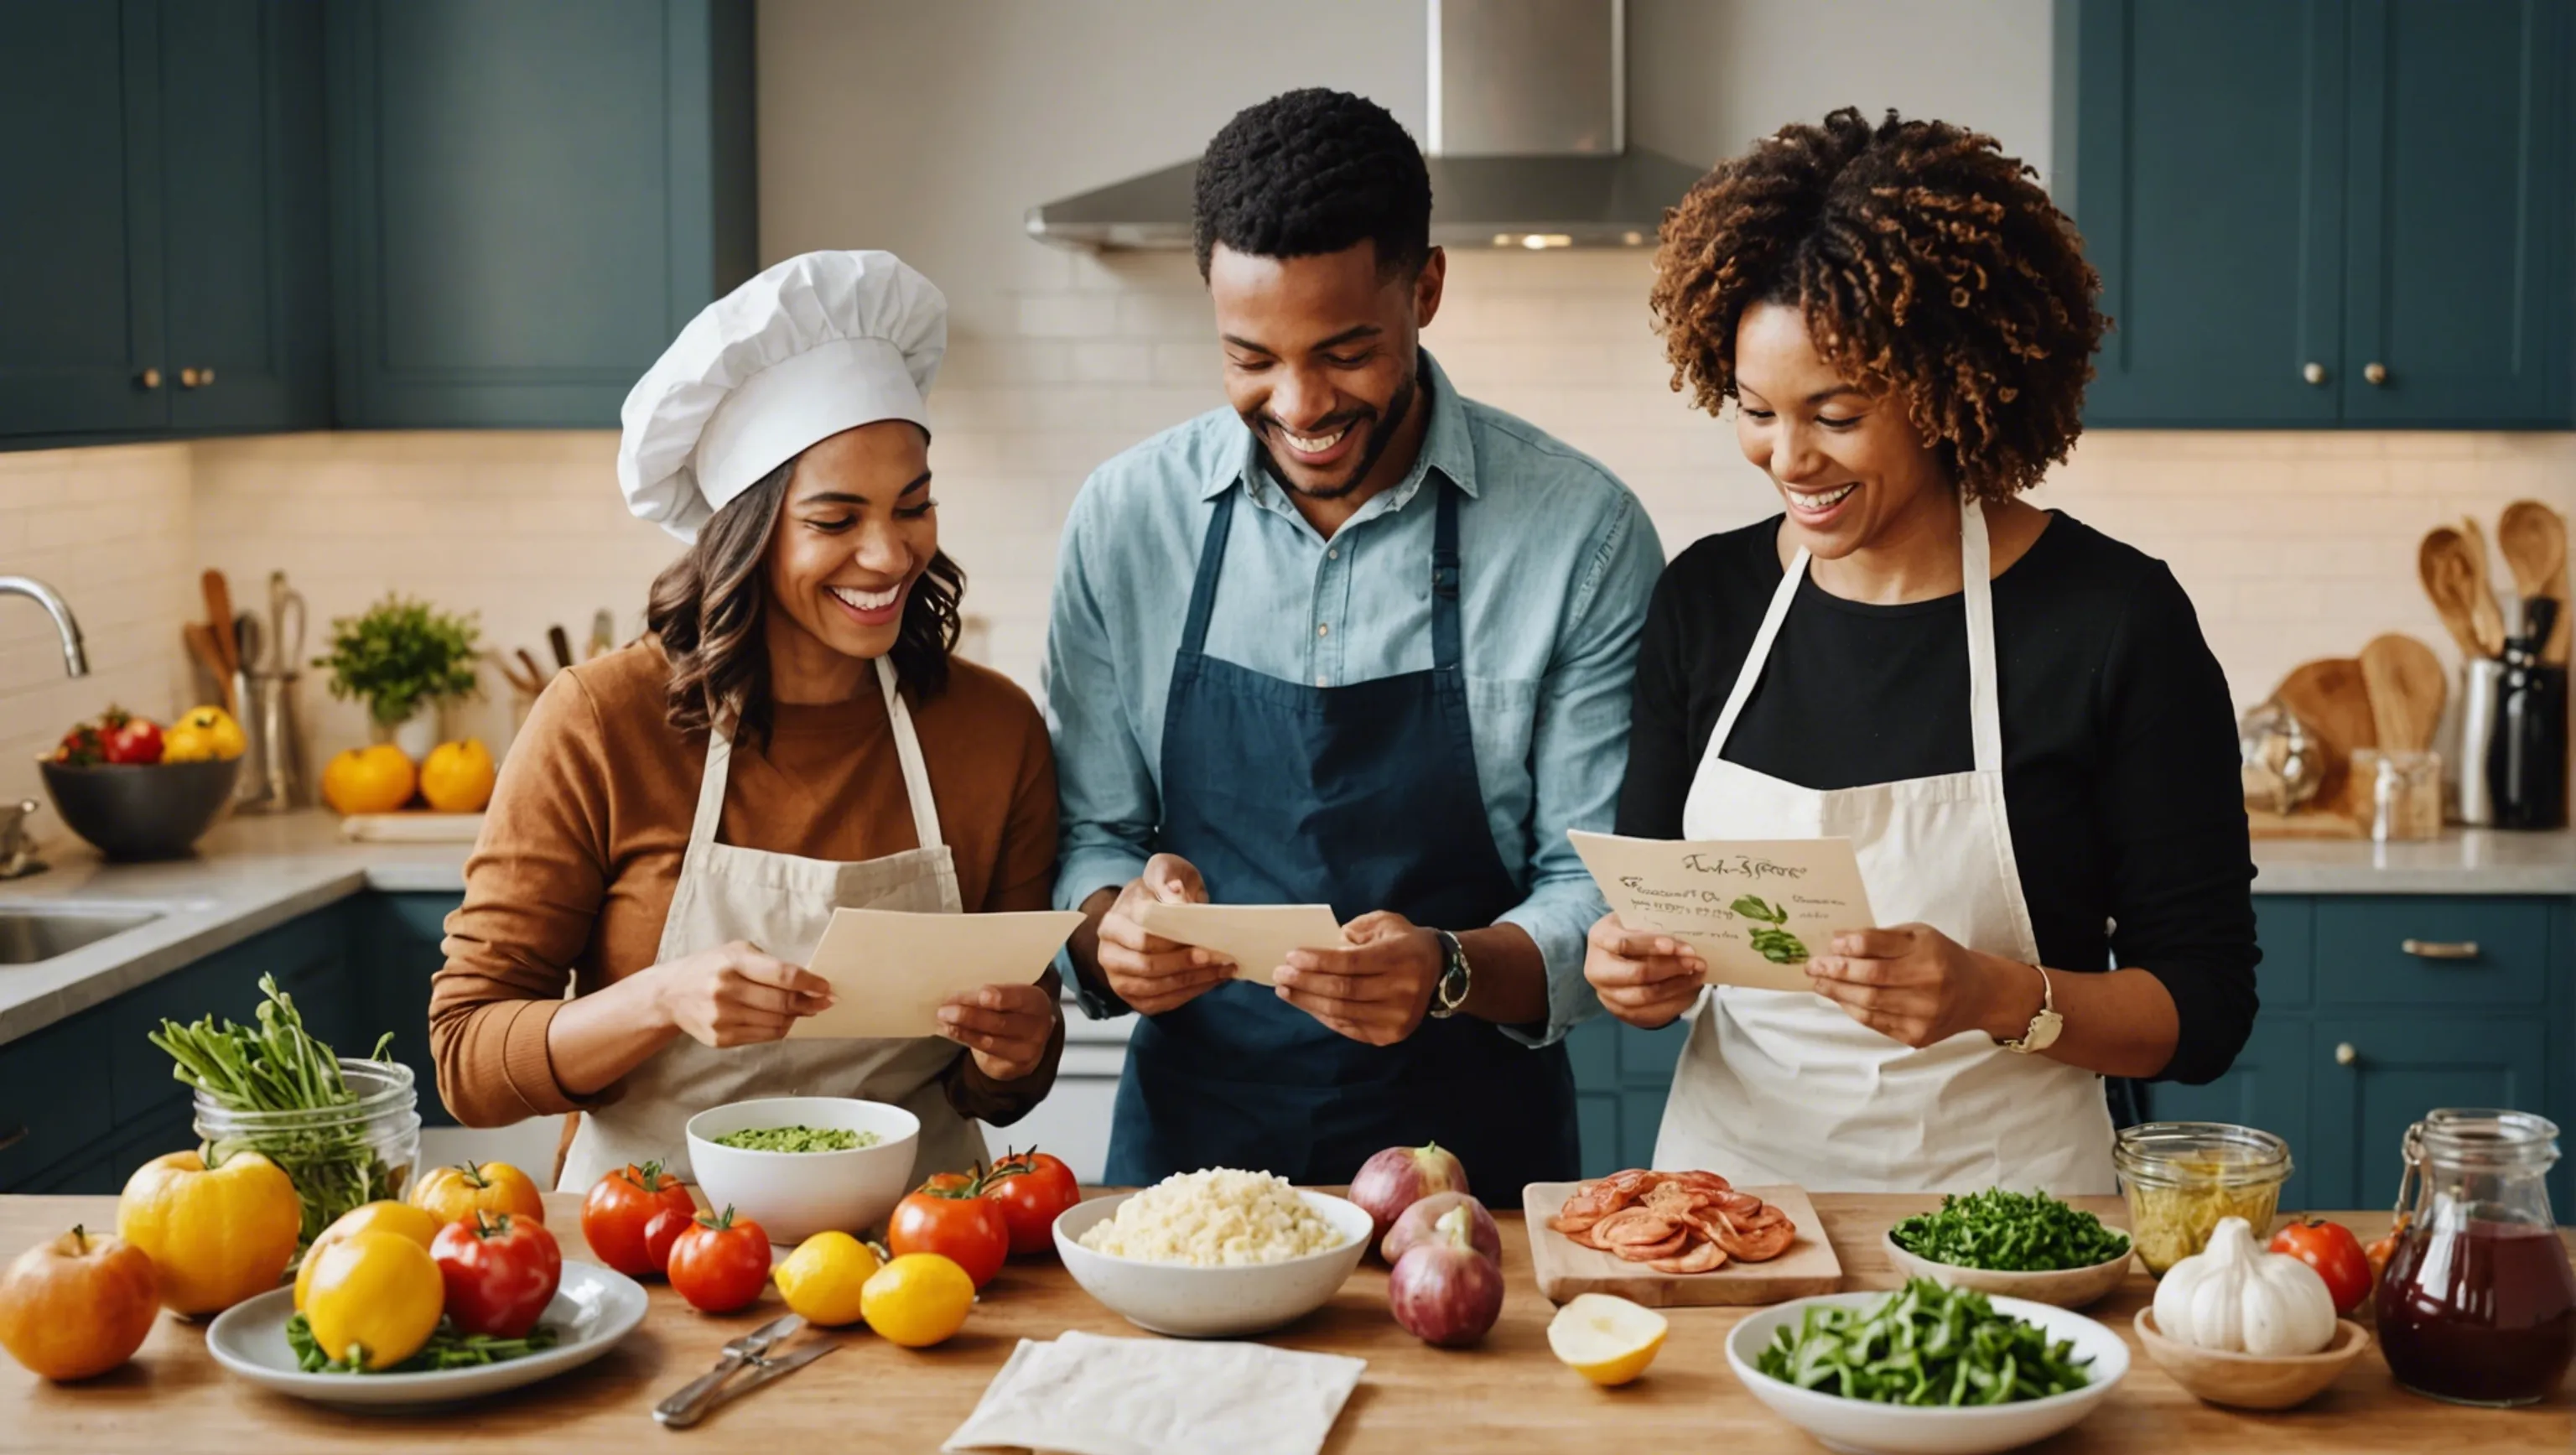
<point x="1528" y="144"/>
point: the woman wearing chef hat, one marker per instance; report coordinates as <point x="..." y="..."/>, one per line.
<point x="678" y="819"/>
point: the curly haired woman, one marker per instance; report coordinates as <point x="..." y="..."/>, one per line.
<point x="2012" y="716"/>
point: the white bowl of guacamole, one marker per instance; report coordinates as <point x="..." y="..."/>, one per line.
<point x="779" y="1161"/>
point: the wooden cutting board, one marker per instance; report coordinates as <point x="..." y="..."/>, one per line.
<point x="2333" y="699"/>
<point x="1565" y="1268"/>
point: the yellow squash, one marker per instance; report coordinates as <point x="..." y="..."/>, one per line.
<point x="375" y="1297"/>
<point x="455" y="1194"/>
<point x="375" y="1217"/>
<point x="216" y="1237"/>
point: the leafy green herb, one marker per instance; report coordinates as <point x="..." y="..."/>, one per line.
<point x="1923" y="1345"/>
<point x="1770" y="941"/>
<point x="446" y="1349"/>
<point x="400" y="656"/>
<point x="2009" y="1232"/>
<point x="798" y="1138"/>
<point x="279" y="1067"/>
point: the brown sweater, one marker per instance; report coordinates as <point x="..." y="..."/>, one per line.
<point x="581" y="848"/>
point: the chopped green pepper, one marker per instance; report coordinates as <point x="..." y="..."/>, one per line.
<point x="2009" y="1232"/>
<point x="1923" y="1345"/>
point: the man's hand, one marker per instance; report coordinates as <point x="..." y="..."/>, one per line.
<point x="734" y="995"/>
<point x="1642" y="977"/>
<point x="1914" y="984"/>
<point x="1377" y="989"/>
<point x="1005" y="1027"/>
<point x="1150" y="973"/>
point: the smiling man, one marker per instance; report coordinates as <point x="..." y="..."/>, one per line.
<point x="1352" y="640"/>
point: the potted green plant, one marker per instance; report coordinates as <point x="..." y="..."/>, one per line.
<point x="404" y="660"/>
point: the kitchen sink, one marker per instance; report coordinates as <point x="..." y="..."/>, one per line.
<point x="29" y="935"/>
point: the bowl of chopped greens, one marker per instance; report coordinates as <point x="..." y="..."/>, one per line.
<point x="592" y="1309"/>
<point x="2024" y="1245"/>
<point x="799" y="1165"/>
<point x="1926" y="1370"/>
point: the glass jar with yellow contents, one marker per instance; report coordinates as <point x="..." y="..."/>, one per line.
<point x="2182" y="1177"/>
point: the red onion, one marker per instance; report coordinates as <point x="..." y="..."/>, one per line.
<point x="1399" y="1177"/>
<point x="1414" y="1225"/>
<point x="1443" y="1291"/>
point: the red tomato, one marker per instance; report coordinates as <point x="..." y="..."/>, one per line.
<point x="957" y="1224"/>
<point x="1032" y="1188"/>
<point x="2332" y="1250"/>
<point x="619" y="1209"/>
<point x="662" y="1232"/>
<point x="135" y="740"/>
<point x="720" y="1262"/>
<point x="500" y="1272"/>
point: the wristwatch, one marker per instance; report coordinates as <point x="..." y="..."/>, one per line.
<point x="1450" y="991"/>
<point x="2043" y="1026"/>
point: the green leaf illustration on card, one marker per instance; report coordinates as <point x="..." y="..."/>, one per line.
<point x="1771" y="942"/>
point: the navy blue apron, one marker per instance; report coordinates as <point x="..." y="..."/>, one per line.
<point x="1363" y="797"/>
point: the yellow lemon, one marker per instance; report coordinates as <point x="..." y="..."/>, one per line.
<point x="826" y="1278"/>
<point x="457" y="777"/>
<point x="370" y="780"/>
<point x="1606" y="1339"/>
<point x="375" y="1298"/>
<point x="917" y="1300"/>
<point x="222" y="733"/>
<point x="373" y="1217"/>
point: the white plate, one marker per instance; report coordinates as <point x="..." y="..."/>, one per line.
<point x="594" y="1306"/>
<point x="1213" y="1303"/>
<point x="1861" y="1427"/>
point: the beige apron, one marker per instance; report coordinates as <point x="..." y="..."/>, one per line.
<point x="1782" y="1086"/>
<point x="781" y="902"/>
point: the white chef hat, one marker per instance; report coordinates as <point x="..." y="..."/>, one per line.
<point x="815" y="345"/>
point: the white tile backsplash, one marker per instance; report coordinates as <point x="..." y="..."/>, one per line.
<point x="2293" y="545"/>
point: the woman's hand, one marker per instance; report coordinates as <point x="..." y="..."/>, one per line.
<point x="1150" y="973"/>
<point x="1643" y="978"/>
<point x="1005" y="1027"/>
<point x="1914" y="984"/>
<point x="1376" y="990"/>
<point x="734" y="995"/>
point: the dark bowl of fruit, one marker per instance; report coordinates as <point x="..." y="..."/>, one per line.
<point x="113" y="786"/>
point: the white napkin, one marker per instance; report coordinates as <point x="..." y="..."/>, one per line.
<point x="1088" y="1395"/>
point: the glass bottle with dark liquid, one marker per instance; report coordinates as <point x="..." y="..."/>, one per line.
<point x="2478" y="1303"/>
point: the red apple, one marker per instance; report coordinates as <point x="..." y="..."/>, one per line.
<point x="1399" y="1177"/>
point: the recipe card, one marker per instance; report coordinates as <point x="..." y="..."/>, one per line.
<point x="1755" y="909"/>
<point x="1256" y="937"/>
<point x="891" y="970"/>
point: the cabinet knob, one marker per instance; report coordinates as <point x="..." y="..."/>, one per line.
<point x="2375" y="372"/>
<point x="149" y="378"/>
<point x="196" y="378"/>
<point x="2345" y="1055"/>
<point x="2314" y="373"/>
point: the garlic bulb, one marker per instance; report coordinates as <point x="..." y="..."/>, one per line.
<point x="2235" y="1297"/>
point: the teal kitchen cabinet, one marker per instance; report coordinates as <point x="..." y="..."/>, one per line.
<point x="177" y="278"/>
<point x="2268" y="1087"/>
<point x="528" y="201"/>
<point x="2378" y="1074"/>
<point x="1621" y="1077"/>
<point x="394" y="952"/>
<point x="2310" y="213"/>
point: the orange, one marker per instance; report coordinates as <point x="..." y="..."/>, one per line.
<point x="372" y="780"/>
<point x="457" y="777"/>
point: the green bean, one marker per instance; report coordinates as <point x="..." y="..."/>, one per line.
<point x="1923" y="1345"/>
<point x="2009" y="1232"/>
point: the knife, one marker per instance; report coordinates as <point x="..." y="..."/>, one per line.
<point x="691" y="1401"/>
<point x="765" y="1369"/>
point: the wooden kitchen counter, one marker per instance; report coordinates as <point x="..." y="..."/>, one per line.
<point x="1509" y="1394"/>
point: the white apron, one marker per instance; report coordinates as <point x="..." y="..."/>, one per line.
<point x="780" y="902"/>
<point x="1782" y="1086"/>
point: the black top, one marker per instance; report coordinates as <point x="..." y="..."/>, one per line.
<point x="2120" y="760"/>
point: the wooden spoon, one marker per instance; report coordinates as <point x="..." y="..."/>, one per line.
<point x="2440" y="562"/>
<point x="2534" y="540"/>
<point x="2407" y="690"/>
<point x="2484" y="614"/>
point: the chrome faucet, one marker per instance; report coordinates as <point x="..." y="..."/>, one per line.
<point x="18" y="846"/>
<point x="75" y="660"/>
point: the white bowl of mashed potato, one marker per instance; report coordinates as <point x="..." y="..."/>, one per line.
<point x="794" y="1194"/>
<point x="1214" y="1254"/>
